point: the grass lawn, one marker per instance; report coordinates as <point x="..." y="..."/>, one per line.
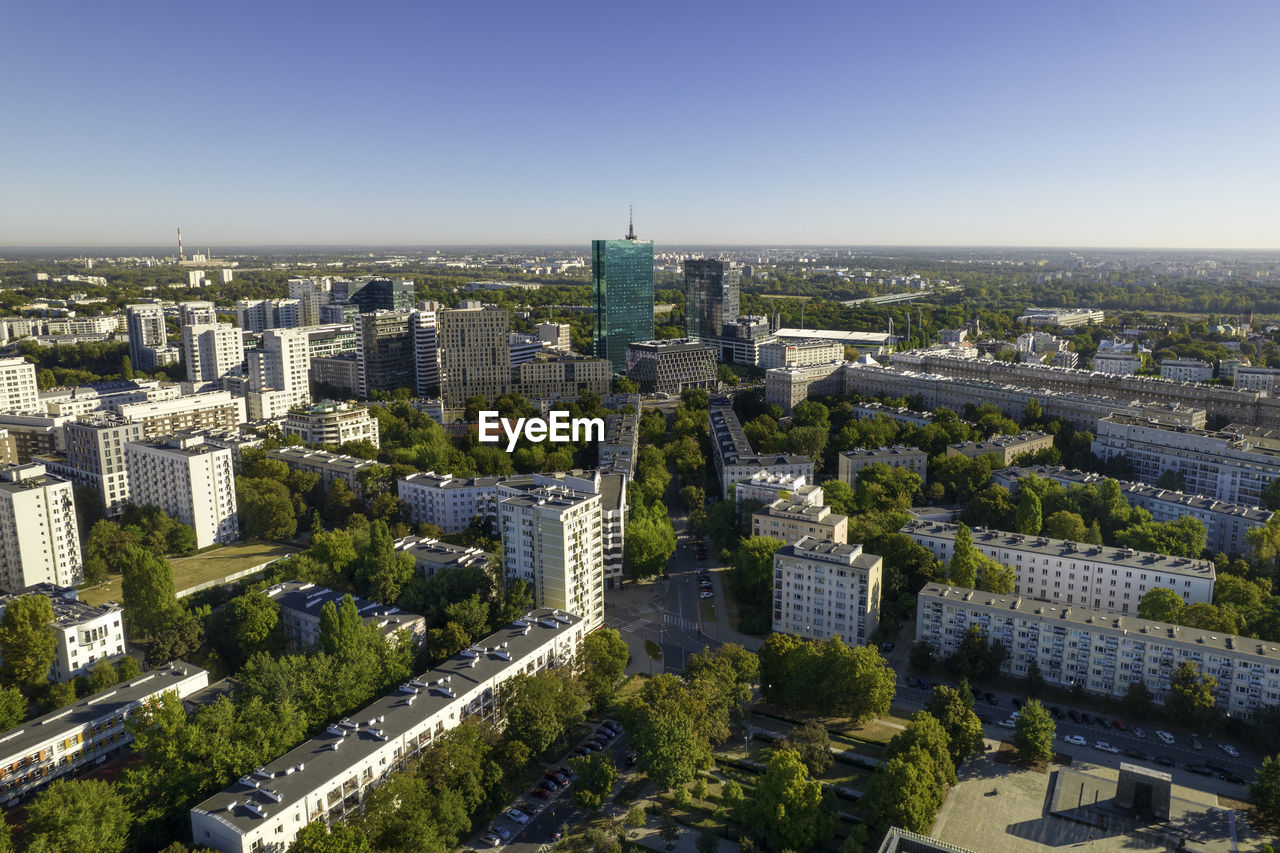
<point x="199" y="568"/>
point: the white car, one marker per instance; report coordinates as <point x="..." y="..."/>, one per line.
<point x="1106" y="747"/>
<point x="491" y="839"/>
<point x="1229" y="750"/>
<point x="517" y="816"/>
<point x="1137" y="732"/>
<point x="1075" y="740"/>
<point x="1008" y="724"/>
<point x="1165" y="736"/>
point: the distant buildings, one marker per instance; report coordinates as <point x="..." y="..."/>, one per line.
<point x="331" y="423"/>
<point x="800" y="353"/>
<point x="741" y="340"/>
<point x="711" y="296"/>
<point x="18" y="389"/>
<point x="1185" y="370"/>
<point x="1263" y="379"/>
<point x="1065" y="317"/>
<point x="622" y="289"/>
<point x="257" y="315"/>
<point x="1006" y="447"/>
<point x="147" y="336"/>
<point x="39" y="542"/>
<point x="279" y="374"/>
<point x="671" y="366"/>
<point x="561" y="375"/>
<point x="822" y="589"/>
<point x="210" y="410"/>
<point x="190" y="480"/>
<point x="1117" y="363"/>
<point x="384" y="352"/>
<point x="555" y="335"/>
<point x="212" y="352"/>
<point x="384" y="294"/>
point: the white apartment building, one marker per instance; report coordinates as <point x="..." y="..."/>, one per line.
<point x="191" y="480"/>
<point x="552" y="539"/>
<point x="800" y="353"/>
<point x="767" y="488"/>
<point x="147" y="334"/>
<point x="850" y="462"/>
<point x="328" y="422"/>
<point x="39" y="542"/>
<point x="212" y="351"/>
<point x="310" y="294"/>
<point x="197" y="313"/>
<point x="821" y="589"/>
<point x="1235" y="464"/>
<point x="734" y="459"/>
<point x="1117" y="363"/>
<point x="209" y="410"/>
<point x="423" y="329"/>
<point x="257" y="315"/>
<point x="301" y="605"/>
<point x="18" y="390"/>
<point x="327" y="778"/>
<point x="788" y="521"/>
<point x="86" y="734"/>
<point x="1102" y="652"/>
<point x="1104" y="578"/>
<point x="330" y="466"/>
<point x="85" y="633"/>
<point x="432" y="555"/>
<point x="278" y="374"/>
<point x="1264" y="379"/>
<point x="95" y="455"/>
<point x="1185" y="370"/>
<point x="447" y="501"/>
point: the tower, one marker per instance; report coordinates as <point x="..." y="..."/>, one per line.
<point x="711" y="289"/>
<point x="622" y="290"/>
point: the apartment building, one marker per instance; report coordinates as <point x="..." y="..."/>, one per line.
<point x="670" y="366"/>
<point x="621" y="445"/>
<point x="302" y="603"/>
<point x="788" y="521"/>
<point x="1185" y="370"/>
<point x="734" y="459"/>
<point x="1225" y="523"/>
<point x="257" y="315"/>
<point x="18" y="390"/>
<point x="35" y="433"/>
<point x="475" y="353"/>
<point x="1104" y="578"/>
<point x="1117" y="363"/>
<point x="331" y="339"/>
<point x="554" y="335"/>
<point x="822" y="589"/>
<point x="278" y="374"/>
<point x="8" y="448"/>
<point x="86" y="734"/>
<point x="424" y="334"/>
<point x="789" y="386"/>
<point x="558" y="375"/>
<point x="1006" y="447"/>
<point x="327" y="778"/>
<point x="1102" y="652"/>
<point x="39" y="542"/>
<point x="147" y="334"/>
<point x="329" y="422"/>
<point x="432" y="555"/>
<point x="553" y="540"/>
<point x="190" y="479"/>
<point x="209" y="410"/>
<point x="329" y="466"/>
<point x="310" y="294"/>
<point x="1235" y="464"/>
<point x="446" y="501"/>
<point x="850" y="462"/>
<point x="211" y="352"/>
<point x="95" y="456"/>
<point x="800" y="353"/>
<point x="84" y="633"/>
<point x="1262" y="379"/>
<point x="765" y="488"/>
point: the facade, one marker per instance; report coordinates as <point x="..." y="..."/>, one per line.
<point x="86" y="734"/>
<point x="788" y="521"/>
<point x="95" y="455"/>
<point x="8" y="448"/>
<point x="622" y="291"/>
<point x="1263" y="379"/>
<point x="191" y="480"/>
<point x="279" y="374"/>
<point x="1007" y="447"/>
<point x="872" y="343"/>
<point x="788" y="386"/>
<point x="329" y="466"/>
<point x="213" y="351"/>
<point x="384" y="352"/>
<point x="301" y="605"/>
<point x="621" y="445"/>
<point x="800" y="353"/>
<point x="35" y="433"/>
<point x="555" y="336"/>
<point x="734" y="459"/>
<point x="18" y="390"/>
<point x="328" y="777"/>
<point x="823" y="589"/>
<point x="39" y="542"/>
<point x="328" y="422"/>
<point x="84" y="633"/>
<point x="475" y="353"/>
<point x="446" y="501"/>
<point x="552" y="539"/>
<point x="258" y="315"/>
<point x="670" y="366"/>
<point x="898" y="840"/>
<point x="899" y="456"/>
<point x="426" y="350"/>
<point x="384" y="294"/>
<point x="710" y="296"/>
<point x="311" y="293"/>
<point x="147" y="333"/>
<point x="1103" y="578"/>
<point x="210" y="410"/>
<point x="1117" y="363"/>
<point x="523" y="347"/>
<point x="560" y="375"/>
<point x="1064" y="317"/>
<point x="740" y="341"/>
<point x="1102" y="652"/>
<point x="342" y="371"/>
<point x="1185" y="370"/>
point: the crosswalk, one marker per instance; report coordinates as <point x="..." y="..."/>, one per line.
<point x="680" y="621"/>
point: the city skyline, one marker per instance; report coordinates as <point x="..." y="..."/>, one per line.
<point x="1135" y="126"/>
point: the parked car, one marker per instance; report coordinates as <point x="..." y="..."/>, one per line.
<point x="567" y="771"/>
<point x="501" y="831"/>
<point x="985" y="718"/>
<point x="541" y="793"/>
<point x="1106" y="747"/>
<point x="594" y="746"/>
<point x="1008" y="723"/>
<point x="1163" y="761"/>
<point x="547" y="784"/>
<point x="1086" y="718"/>
<point x="1075" y="740"/>
<point x="992" y="700"/>
<point x="581" y="751"/>
<point x="559" y="778"/>
<point x="1075" y="718"/>
<point x="491" y="839"/>
<point x="1119" y="724"/>
<point x="1233" y="778"/>
<point x="886" y="647"/>
<point x="613" y="726"/>
<point x="516" y="816"/>
<point x="1056" y="711"/>
<point x="706" y="593"/>
<point x="1103" y="721"/>
<point x="1199" y="770"/>
<point x="1138" y="732"/>
<point x="1229" y="750"/>
<point x="1165" y="737"/>
<point x="528" y="808"/>
<point x="1135" y="754"/>
<point x="1196" y="744"/>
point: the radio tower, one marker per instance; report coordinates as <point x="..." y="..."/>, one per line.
<point x="181" y="258"/>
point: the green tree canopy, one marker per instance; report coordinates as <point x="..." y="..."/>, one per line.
<point x="74" y="815"/>
<point x="602" y="659"/>
<point x="28" y="643"/>
<point x="790" y="809"/>
<point x="1033" y="732"/>
<point x="1161" y="604"/>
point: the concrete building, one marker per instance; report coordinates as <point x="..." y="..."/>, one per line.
<point x="257" y="315"/>
<point x="329" y="466"/>
<point x="523" y="347"/>
<point x="332" y="339"/>
<point x="18" y="390"/>
<point x="822" y="589"/>
<point x="872" y="343"/>
<point x="35" y="433"/>
<point x="740" y="341"/>
<point x="87" y="734"/>
<point x="209" y="410"/>
<point x="1006" y="447"/>
<point x="898" y="840"/>
<point x="327" y="778"/>
<point x="560" y="375"/>
<point x="1117" y="363"/>
<point x="147" y="334"/>
<point x="553" y="540"/>
<point x="446" y="501"/>
<point x="279" y="374"/>
<point x="1262" y="379"/>
<point x="212" y="352"/>
<point x="790" y="520"/>
<point x="384" y="294"/>
<point x="1185" y="370"/>
<point x="671" y="366"/>
<point x="423" y="333"/>
<point x="1064" y="317"/>
<point x="555" y="335"/>
<point x="301" y="605"/>
<point x="789" y="386"/>
<point x="340" y="371"/>
<point x="765" y="488"/>
<point x="96" y="458"/>
<point x="621" y="445"/>
<point x="734" y="459"/>
<point x="8" y="448"/>
<point x="1104" y="578"/>
<point x="475" y="353"/>
<point x="622" y="296"/>
<point x="310" y="293"/>
<point x="711" y="289"/>
<point x="329" y="422"/>
<point x="800" y="353"/>
<point x="432" y="555"/>
<point x="84" y="633"/>
<point x="899" y="456"/>
<point x="1102" y="652"/>
<point x="191" y="480"/>
<point x="39" y="542"/>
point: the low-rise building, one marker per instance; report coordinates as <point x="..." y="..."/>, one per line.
<point x="789" y="521"/>
<point x="850" y="462"/>
<point x="84" y="633"/>
<point x="432" y="555"/>
<point x="1249" y="378"/>
<point x="1006" y="447"/>
<point x="302" y="603"/>
<point x="671" y="366"/>
<point x="821" y="589"/>
<point x="734" y="459"/>
<point x="332" y="423"/>
<point x="765" y="488"/>
<point x="1064" y="317"/>
<point x="621" y="445"/>
<point x="1117" y="363"/>
<point x="35" y="433"/>
<point x="190" y="479"/>
<point x="329" y="466"/>
<point x="800" y="353"/>
<point x="553" y="374"/>
<point x="1185" y="370"/>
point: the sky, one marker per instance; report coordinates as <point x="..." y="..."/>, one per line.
<point x="427" y="123"/>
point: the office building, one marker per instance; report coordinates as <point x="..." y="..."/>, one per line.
<point x="552" y="539"/>
<point x="1185" y="370"/>
<point x="432" y="555"/>
<point x="852" y="461"/>
<point x="790" y="520"/>
<point x="341" y="372"/>
<point x="310" y="294"/>
<point x="257" y="315"/>
<point x="147" y="333"/>
<point x="384" y="294"/>
<point x="554" y="336"/>
<point x="523" y="347"/>
<point x="800" y="353"/>
<point x="337" y="339"/>
<point x="426" y="349"/>
<point x="822" y="589"/>
<point x="328" y="466"/>
<point x="210" y="410"/>
<point x="1102" y="652"/>
<point x="212" y="352"/>
<point x="87" y="734"/>
<point x="302" y="603"/>
<point x="190" y="479"/>
<point x="328" y="422"/>
<point x="1006" y="447"/>
<point x="622" y="290"/>
<point x="384" y="352"/>
<point x="671" y="366"/>
<point x="39" y="542"/>
<point x="18" y="389"/>
<point x="1064" y="317"/>
<point x="96" y="459"/>
<point x="560" y="375"/>
<point x="327" y="778"/>
<point x="83" y="633"/>
<point x="710" y="296"/>
<point x="741" y="340"/>
<point x="868" y="343"/>
<point x="734" y="459"/>
<point x="1102" y="577"/>
<point x="475" y="353"/>
<point x="338" y="313"/>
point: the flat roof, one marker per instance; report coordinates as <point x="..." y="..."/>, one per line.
<point x="863" y="338"/>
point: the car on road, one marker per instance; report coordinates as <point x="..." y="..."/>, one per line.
<point x="1138" y="732"/>
<point x="992" y="700"/>
<point x="1165" y="737"/>
<point x="501" y="831"/>
<point x="1086" y="718"/>
<point x="491" y="839"/>
<point x="541" y="793"/>
<point x="1199" y="770"/>
<point x="1075" y="740"/>
<point x="1119" y="724"/>
<point x="1164" y="761"/>
<point x="632" y="757"/>
<point x="1135" y="754"/>
<point x="1196" y="744"/>
<point x="516" y="816"/>
<point x="581" y="751"/>
<point x="1103" y="721"/>
<point x="1233" y="778"/>
<point x="1216" y="768"/>
<point x="1008" y="723"/>
<point x="886" y="647"/>
<point x="1106" y="747"/>
<point x="706" y="593"/>
<point x="1229" y="750"/>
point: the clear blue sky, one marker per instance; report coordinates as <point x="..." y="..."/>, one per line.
<point x="432" y="123"/>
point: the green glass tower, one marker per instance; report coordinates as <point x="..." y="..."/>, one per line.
<point x="622" y="283"/>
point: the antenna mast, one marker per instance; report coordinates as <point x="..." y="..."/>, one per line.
<point x="181" y="258"/>
<point x="631" y="222"/>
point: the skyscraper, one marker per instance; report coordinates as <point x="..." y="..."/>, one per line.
<point x="212" y="351"/>
<point x="622" y="283"/>
<point x="384" y="353"/>
<point x="147" y="333"/>
<point x="385" y="294"/>
<point x="475" y="353"/>
<point x="711" y="296"/>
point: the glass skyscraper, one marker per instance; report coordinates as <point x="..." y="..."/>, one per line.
<point x="711" y="296"/>
<point x="622" y="283"/>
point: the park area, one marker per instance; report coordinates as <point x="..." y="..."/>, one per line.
<point x="202" y="568"/>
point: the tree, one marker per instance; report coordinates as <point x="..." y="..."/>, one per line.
<point x="252" y="619"/>
<point x="1028" y="518"/>
<point x="1264" y="793"/>
<point x="265" y="509"/>
<point x="315" y="837"/>
<point x="790" y="809"/>
<point x="993" y="576"/>
<point x="540" y="708"/>
<point x="339" y="504"/>
<point x="102" y="676"/>
<point x="647" y="548"/>
<point x="902" y="793"/>
<point x="961" y="724"/>
<point x="1034" y="681"/>
<point x="963" y="568"/>
<point x="71" y="816"/>
<point x="1190" y="696"/>
<point x="104" y="549"/>
<point x="1137" y="701"/>
<point x="602" y="659"/>
<point x="384" y="571"/>
<point x="129" y="668"/>
<point x="13" y="708"/>
<point x="147" y="589"/>
<point x="752" y="575"/>
<point x="920" y="655"/>
<point x="925" y="742"/>
<point x="1066" y="525"/>
<point x="1033" y="732"/>
<point x="28" y="644"/>
<point x="126" y="367"/>
<point x="1160" y="604"/>
<point x="667" y="727"/>
<point x="813" y="745"/>
<point x="596" y="777"/>
<point x="1210" y="617"/>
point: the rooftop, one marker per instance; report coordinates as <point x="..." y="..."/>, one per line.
<point x="310" y="599"/>
<point x="68" y="610"/>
